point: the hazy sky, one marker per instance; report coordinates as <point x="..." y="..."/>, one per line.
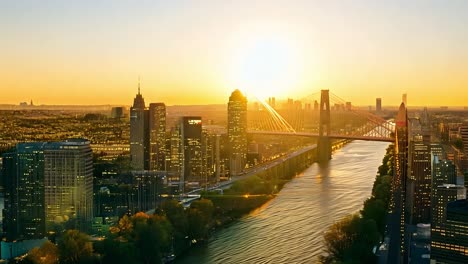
<point x="196" y="52"/>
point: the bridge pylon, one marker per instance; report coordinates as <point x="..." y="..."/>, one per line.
<point x="324" y="145"/>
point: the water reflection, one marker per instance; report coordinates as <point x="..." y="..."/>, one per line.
<point x="289" y="228"/>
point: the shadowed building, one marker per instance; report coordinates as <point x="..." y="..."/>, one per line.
<point x="157" y="127"/>
<point x="47" y="184"/>
<point x="147" y="135"/>
<point x="192" y="166"/>
<point x="398" y="215"/>
<point x="442" y="232"/>
<point x="139" y="136"/>
<point x="453" y="246"/>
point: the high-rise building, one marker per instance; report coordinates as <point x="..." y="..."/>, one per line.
<point x="420" y="163"/>
<point x="404" y="99"/>
<point x="157" y="126"/>
<point x="464" y="163"/>
<point x="117" y="112"/>
<point x="442" y="195"/>
<point x="378" y="104"/>
<point x="147" y="135"/>
<point x="453" y="246"/>
<point x="399" y="215"/>
<point x="443" y="172"/>
<point x="192" y="164"/>
<point x="68" y="175"/>
<point x="24" y="209"/>
<point x="47" y="184"/>
<point x="139" y="138"/>
<point x="237" y="132"/>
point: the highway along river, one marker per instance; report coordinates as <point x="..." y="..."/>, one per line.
<point x="290" y="227"/>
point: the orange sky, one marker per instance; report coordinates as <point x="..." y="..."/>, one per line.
<point x="197" y="53"/>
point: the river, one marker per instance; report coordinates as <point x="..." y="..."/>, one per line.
<point x="289" y="228"/>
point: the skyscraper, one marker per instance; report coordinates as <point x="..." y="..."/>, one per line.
<point x="443" y="172"/>
<point x="147" y="135"/>
<point x="157" y="127"/>
<point x="442" y="196"/>
<point x="237" y="132"/>
<point x="192" y="167"/>
<point x="139" y="137"/>
<point x="47" y="184"/>
<point x="68" y="182"/>
<point x="420" y="160"/>
<point x="378" y="104"/>
<point x="23" y="174"/>
<point x="453" y="246"/>
<point x="398" y="216"/>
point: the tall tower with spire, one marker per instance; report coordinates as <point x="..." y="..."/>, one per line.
<point x="138" y="137"/>
<point x="147" y="134"/>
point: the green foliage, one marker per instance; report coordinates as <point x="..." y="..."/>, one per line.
<point x="75" y="247"/>
<point x="458" y="143"/>
<point x="46" y="254"/>
<point x="352" y="239"/>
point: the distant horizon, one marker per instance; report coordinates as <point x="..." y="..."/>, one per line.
<point x="183" y="52"/>
<point x="463" y="107"/>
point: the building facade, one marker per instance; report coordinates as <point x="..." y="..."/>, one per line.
<point x="192" y="156"/>
<point x="441" y="230"/>
<point x="47" y="184"/>
<point x="237" y="132"/>
<point x="139" y="138"/>
<point x="397" y="205"/>
<point x="453" y="246"/>
<point x="147" y="135"/>
<point x="157" y="127"/>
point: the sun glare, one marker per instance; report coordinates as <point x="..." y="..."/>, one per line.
<point x="265" y="65"/>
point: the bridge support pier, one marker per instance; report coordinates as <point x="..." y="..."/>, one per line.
<point x="324" y="144"/>
<point x="324" y="149"/>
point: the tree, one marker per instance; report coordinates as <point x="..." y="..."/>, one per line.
<point x="75" y="247"/>
<point x="123" y="228"/>
<point x="351" y="240"/>
<point x="46" y="254"/>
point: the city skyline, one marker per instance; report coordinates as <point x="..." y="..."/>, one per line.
<point x="88" y="53"/>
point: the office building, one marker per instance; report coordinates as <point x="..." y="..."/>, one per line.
<point x="147" y="135"/>
<point x="441" y="197"/>
<point x="453" y="246"/>
<point x="117" y="112"/>
<point x="443" y="172"/>
<point x="399" y="213"/>
<point x="378" y="105"/>
<point x="157" y="127"/>
<point x="24" y="206"/>
<point x="139" y="137"/>
<point x="237" y="132"/>
<point x="47" y="184"/>
<point x="421" y="176"/>
<point x="192" y="166"/>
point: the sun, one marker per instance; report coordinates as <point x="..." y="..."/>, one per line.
<point x="265" y="65"/>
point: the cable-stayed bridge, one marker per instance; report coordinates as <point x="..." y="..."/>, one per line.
<point x="323" y="115"/>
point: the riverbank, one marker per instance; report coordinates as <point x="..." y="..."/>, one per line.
<point x="249" y="194"/>
<point x="290" y="227"/>
<point x="354" y="238"/>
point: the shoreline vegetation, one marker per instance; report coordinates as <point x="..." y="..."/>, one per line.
<point x="352" y="239"/>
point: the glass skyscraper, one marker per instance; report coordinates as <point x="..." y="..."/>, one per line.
<point x="47" y="184"/>
<point x="237" y="132"/>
